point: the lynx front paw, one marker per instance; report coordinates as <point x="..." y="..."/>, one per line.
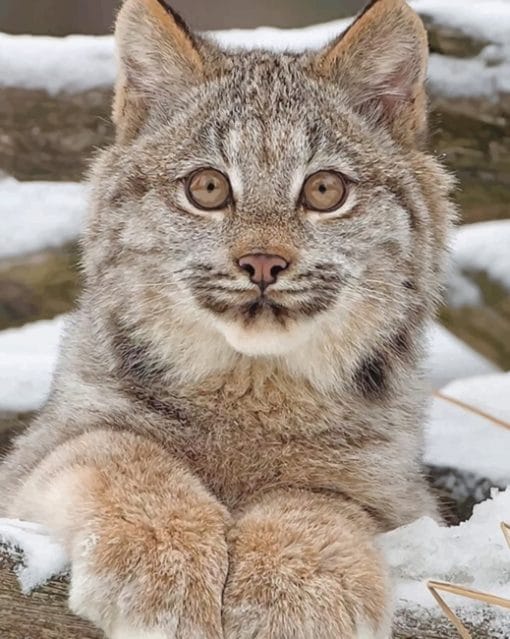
<point x="138" y="581"/>
<point x="300" y="570"/>
<point x="106" y="603"/>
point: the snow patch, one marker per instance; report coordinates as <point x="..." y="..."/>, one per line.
<point x="484" y="246"/>
<point x="482" y="19"/>
<point x="43" y="559"/>
<point x="468" y="78"/>
<point x="73" y="63"/>
<point x="28" y="357"/>
<point x="39" y="215"/>
<point x="473" y="554"/>
<point x="463" y="440"/>
<point x="461" y="291"/>
<point x="296" y="40"/>
<point x="450" y="358"/>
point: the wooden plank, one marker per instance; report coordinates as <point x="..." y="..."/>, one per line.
<point x="41" y="615"/>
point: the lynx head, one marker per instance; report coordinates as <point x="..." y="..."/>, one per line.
<point x="268" y="201"/>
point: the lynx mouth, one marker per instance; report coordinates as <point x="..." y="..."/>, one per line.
<point x="248" y="310"/>
<point x="266" y="324"/>
<point x="264" y="306"/>
<point x="273" y="307"/>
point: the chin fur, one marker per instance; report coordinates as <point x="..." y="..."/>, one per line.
<point x="261" y="339"/>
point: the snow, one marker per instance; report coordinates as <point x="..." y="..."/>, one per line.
<point x="473" y="554"/>
<point x="281" y="39"/>
<point x="449" y="358"/>
<point x="473" y="77"/>
<point x="39" y="215"/>
<point x="42" y="557"/>
<point x="460" y="439"/>
<point x="27" y="360"/>
<point x="483" y="19"/>
<point x="73" y="63"/>
<point x="461" y="291"/>
<point x="484" y="246"/>
<point x="79" y="63"/>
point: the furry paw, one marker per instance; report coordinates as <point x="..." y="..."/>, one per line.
<point x="299" y="570"/>
<point x="112" y="604"/>
<point x="139" y="582"/>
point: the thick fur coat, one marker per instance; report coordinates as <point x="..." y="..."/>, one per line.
<point x="216" y="457"/>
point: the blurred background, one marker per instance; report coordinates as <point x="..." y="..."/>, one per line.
<point x="60" y="17"/>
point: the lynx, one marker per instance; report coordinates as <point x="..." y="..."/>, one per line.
<point x="237" y="412"/>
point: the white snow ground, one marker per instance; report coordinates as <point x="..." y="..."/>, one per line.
<point x="27" y="359"/>
<point x="481" y="247"/>
<point x="39" y="215"/>
<point x="484" y="19"/>
<point x="484" y="246"/>
<point x="473" y="554"/>
<point x="83" y="62"/>
<point x="43" y="558"/>
<point x="460" y="439"/>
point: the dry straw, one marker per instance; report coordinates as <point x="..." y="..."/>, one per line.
<point x="436" y="587"/>
<point x="473" y="409"/>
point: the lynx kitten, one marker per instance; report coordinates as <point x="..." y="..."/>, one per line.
<point x="238" y="406"/>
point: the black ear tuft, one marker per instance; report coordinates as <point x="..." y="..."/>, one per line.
<point x="177" y="18"/>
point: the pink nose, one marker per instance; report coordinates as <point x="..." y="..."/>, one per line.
<point x="263" y="269"/>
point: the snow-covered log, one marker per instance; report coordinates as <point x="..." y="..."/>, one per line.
<point x="55" y="96"/>
<point x="43" y="614"/>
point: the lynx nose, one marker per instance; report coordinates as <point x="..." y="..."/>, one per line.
<point x="263" y="269"/>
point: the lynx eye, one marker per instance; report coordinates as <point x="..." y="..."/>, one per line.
<point x="324" y="191"/>
<point x="208" y="189"/>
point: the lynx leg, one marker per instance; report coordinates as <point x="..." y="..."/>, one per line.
<point x="303" y="566"/>
<point x="146" y="540"/>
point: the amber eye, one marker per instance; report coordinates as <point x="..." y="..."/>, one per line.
<point x="208" y="189"/>
<point x="324" y="191"/>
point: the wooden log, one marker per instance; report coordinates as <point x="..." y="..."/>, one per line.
<point x="38" y="286"/>
<point x="44" y="614"/>
<point x="41" y="615"/>
<point x="52" y="137"/>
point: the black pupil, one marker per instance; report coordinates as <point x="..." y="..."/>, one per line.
<point x="323" y="188"/>
<point x="211" y="186"/>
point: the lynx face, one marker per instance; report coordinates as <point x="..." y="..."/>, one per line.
<point x="273" y="197"/>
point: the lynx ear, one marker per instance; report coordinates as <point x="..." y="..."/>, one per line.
<point x="381" y="60"/>
<point x="158" y="59"/>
